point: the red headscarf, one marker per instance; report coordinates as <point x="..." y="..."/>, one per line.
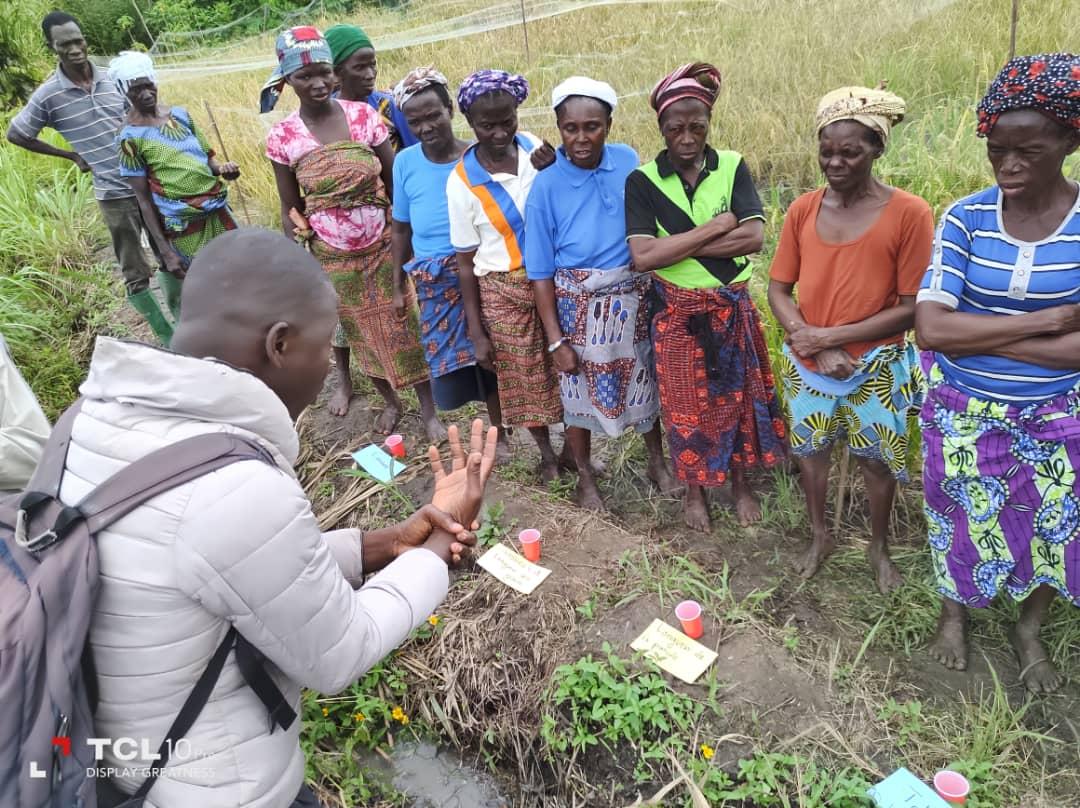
<point x="699" y="80"/>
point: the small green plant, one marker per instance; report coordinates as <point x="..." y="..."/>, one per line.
<point x="491" y="531"/>
<point x="604" y="701"/>
<point x="587" y="609"/>
<point x="907" y="716"/>
<point x="776" y="779"/>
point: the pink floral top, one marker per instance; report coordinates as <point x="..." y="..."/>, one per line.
<point x="342" y="228"/>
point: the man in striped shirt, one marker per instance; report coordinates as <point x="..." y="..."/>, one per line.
<point x="84" y="106"/>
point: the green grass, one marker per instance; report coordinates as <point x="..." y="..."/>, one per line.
<point x="53" y="296"/>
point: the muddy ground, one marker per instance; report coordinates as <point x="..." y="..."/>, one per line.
<point x="803" y="667"/>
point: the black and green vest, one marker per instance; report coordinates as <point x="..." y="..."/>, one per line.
<point x="711" y="198"/>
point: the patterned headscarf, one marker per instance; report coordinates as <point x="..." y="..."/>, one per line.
<point x="416" y="81"/>
<point x="131" y="65"/>
<point x="296" y="48"/>
<point x="699" y="80"/>
<point x="483" y="82"/>
<point x="1048" y="83"/>
<point x="876" y="109"/>
<point x="345" y="40"/>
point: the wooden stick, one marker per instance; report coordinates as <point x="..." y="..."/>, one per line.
<point x="225" y="154"/>
<point x="1012" y="32"/>
<point x="138" y="11"/>
<point x="525" y="30"/>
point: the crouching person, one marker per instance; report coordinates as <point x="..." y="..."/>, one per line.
<point x="240" y="547"/>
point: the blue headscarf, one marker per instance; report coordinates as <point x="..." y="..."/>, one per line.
<point x="483" y="82"/>
<point x="296" y="48"/>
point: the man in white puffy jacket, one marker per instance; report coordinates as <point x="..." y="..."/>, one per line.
<point x="241" y="546"/>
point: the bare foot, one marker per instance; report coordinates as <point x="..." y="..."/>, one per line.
<point x="549" y="470"/>
<point x="1037" y="672"/>
<point x="388" y="418"/>
<point x="950" y="643"/>
<point x="588" y="496"/>
<point x="660" y="473"/>
<point x="342" y="395"/>
<point x="567" y="462"/>
<point x="747" y="507"/>
<point x="885" y="571"/>
<point x="696" y="510"/>
<point x="820" y="548"/>
<point x="436" y="432"/>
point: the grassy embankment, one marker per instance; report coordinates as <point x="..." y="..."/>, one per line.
<point x="477" y="678"/>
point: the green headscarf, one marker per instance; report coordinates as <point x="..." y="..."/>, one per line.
<point x="345" y="40"/>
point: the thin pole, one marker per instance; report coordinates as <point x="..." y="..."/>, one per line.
<point x="1012" y="32"/>
<point x="225" y="154"/>
<point x="525" y="31"/>
<point x="138" y="11"/>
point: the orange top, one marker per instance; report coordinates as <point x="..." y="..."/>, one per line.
<point x="838" y="284"/>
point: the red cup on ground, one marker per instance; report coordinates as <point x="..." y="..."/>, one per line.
<point x="530" y="543"/>
<point x="951" y="786"/>
<point x="395" y="445"/>
<point x="689" y="614"/>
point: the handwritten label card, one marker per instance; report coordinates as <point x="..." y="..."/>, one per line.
<point x="902" y="789"/>
<point x="512" y="569"/>
<point x="674" y="652"/>
<point x="378" y="463"/>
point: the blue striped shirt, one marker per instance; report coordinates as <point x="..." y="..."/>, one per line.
<point x="88" y="121"/>
<point x="977" y="267"/>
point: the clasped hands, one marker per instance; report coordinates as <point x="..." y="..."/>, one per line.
<point x="808" y="341"/>
<point x="441" y="525"/>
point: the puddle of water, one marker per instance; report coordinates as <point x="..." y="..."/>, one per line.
<point x="437" y="778"/>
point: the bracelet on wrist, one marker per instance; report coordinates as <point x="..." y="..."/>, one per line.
<point x="553" y="347"/>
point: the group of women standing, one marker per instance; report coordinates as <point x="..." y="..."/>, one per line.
<point x="577" y="285"/>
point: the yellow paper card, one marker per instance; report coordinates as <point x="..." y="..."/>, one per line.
<point x="512" y="569"/>
<point x="674" y="651"/>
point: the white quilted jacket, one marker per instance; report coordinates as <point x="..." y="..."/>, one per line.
<point x="237" y="546"/>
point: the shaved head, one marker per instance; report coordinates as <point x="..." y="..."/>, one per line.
<point x="258" y="301"/>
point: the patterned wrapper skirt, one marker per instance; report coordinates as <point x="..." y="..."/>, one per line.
<point x="717" y="398"/>
<point x="604" y="314"/>
<point x="869" y="410"/>
<point x="443" y="329"/>
<point x="528" y="385"/>
<point x="1002" y="494"/>
<point x="385" y="345"/>
<point x="202" y="231"/>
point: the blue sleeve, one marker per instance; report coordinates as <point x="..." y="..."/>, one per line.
<point x="945" y="277"/>
<point x="401" y="199"/>
<point x="402" y="126"/>
<point x="539" y="235"/>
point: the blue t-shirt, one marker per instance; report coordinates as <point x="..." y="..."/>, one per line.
<point x="977" y="267"/>
<point x="420" y="200"/>
<point x="575" y="218"/>
<point x="383" y="103"/>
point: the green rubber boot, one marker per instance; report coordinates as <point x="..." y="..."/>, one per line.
<point x="170" y="287"/>
<point x="146" y="304"/>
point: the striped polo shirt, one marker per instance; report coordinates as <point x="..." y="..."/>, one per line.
<point x="88" y="121"/>
<point x="977" y="267"/>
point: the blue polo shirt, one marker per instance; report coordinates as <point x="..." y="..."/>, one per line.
<point x="420" y="200"/>
<point x="575" y="218"/>
<point x="977" y="267"/>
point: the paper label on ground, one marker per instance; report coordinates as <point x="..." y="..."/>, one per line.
<point x="902" y="789"/>
<point x="674" y="652"/>
<point x="378" y="463"/>
<point x="513" y="569"/>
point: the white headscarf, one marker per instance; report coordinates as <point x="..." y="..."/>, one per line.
<point x="131" y="65"/>
<point x="590" y="88"/>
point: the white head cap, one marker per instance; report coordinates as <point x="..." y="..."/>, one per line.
<point x="131" y="65"/>
<point x="590" y="88"/>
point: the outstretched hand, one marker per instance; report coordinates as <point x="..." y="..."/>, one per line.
<point x="460" y="491"/>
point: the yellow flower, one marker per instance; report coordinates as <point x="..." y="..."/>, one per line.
<point x="399" y="715"/>
<point x="434" y="620"/>
<point x="325" y="711"/>
<point x="359" y="717"/>
<point x="707" y="751"/>
<point x="404" y="719"/>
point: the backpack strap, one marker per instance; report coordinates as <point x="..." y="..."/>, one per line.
<point x="44" y="484"/>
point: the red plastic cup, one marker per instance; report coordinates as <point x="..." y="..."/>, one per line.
<point x="395" y="445"/>
<point x="951" y="786"/>
<point x="689" y="614"/>
<point x="530" y="543"/>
